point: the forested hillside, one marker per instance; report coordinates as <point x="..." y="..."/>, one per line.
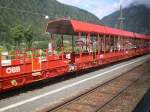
<point x="33" y="12"/>
<point x="137" y="19"/>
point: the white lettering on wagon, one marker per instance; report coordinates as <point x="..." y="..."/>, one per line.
<point x="15" y="69"/>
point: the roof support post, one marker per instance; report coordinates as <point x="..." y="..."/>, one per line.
<point x="73" y="51"/>
<point x="114" y="45"/>
<point x="89" y="42"/>
<point x="80" y="46"/>
<point x="50" y="44"/>
<point x="118" y="43"/>
<point x="127" y="45"/>
<point x="143" y="43"/>
<point x="135" y="44"/>
<point x="98" y="43"/>
<point x="140" y="44"/>
<point x="86" y="39"/>
<point x="72" y="43"/>
<point x="121" y="41"/>
<point x="124" y="41"/>
<point x="109" y="43"/>
<point x="62" y="47"/>
<point x="104" y="43"/>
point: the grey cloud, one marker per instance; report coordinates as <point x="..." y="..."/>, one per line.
<point x="136" y="2"/>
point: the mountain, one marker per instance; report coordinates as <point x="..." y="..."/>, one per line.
<point x="137" y="19"/>
<point x="33" y="12"/>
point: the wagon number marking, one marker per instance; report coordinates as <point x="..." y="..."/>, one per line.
<point x="10" y="70"/>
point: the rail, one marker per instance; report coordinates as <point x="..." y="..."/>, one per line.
<point x="97" y="98"/>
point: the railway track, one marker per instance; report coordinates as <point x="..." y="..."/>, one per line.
<point x="97" y="98"/>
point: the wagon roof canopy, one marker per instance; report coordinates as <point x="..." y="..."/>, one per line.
<point x="60" y="26"/>
<point x="68" y="27"/>
<point x="72" y="27"/>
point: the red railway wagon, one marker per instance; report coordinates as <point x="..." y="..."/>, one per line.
<point x="91" y="45"/>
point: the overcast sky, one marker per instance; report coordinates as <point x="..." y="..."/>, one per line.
<point x="102" y="8"/>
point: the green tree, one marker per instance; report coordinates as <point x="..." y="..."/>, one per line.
<point x="17" y="34"/>
<point x="4" y="34"/>
<point x="8" y="46"/>
<point x="29" y="35"/>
